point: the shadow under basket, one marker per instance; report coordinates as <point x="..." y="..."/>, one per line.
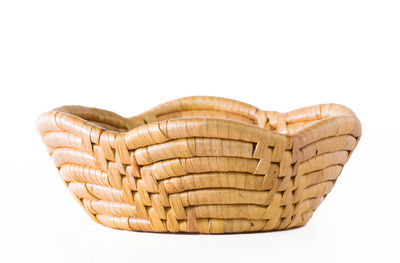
<point x="200" y="164"/>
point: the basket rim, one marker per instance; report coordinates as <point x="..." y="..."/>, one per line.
<point x="329" y="113"/>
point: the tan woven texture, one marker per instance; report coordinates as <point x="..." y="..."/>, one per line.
<point x="200" y="164"/>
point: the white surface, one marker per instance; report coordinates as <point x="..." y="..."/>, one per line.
<point x="128" y="56"/>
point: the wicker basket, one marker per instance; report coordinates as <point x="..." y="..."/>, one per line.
<point x="200" y="164"/>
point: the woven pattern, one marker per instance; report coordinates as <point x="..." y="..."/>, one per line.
<point x="200" y="164"/>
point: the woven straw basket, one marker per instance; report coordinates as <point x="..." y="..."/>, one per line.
<point x="200" y="164"/>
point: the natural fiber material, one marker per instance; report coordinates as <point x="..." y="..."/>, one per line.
<point x="200" y="164"/>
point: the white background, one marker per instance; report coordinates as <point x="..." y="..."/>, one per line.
<point x="127" y="56"/>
